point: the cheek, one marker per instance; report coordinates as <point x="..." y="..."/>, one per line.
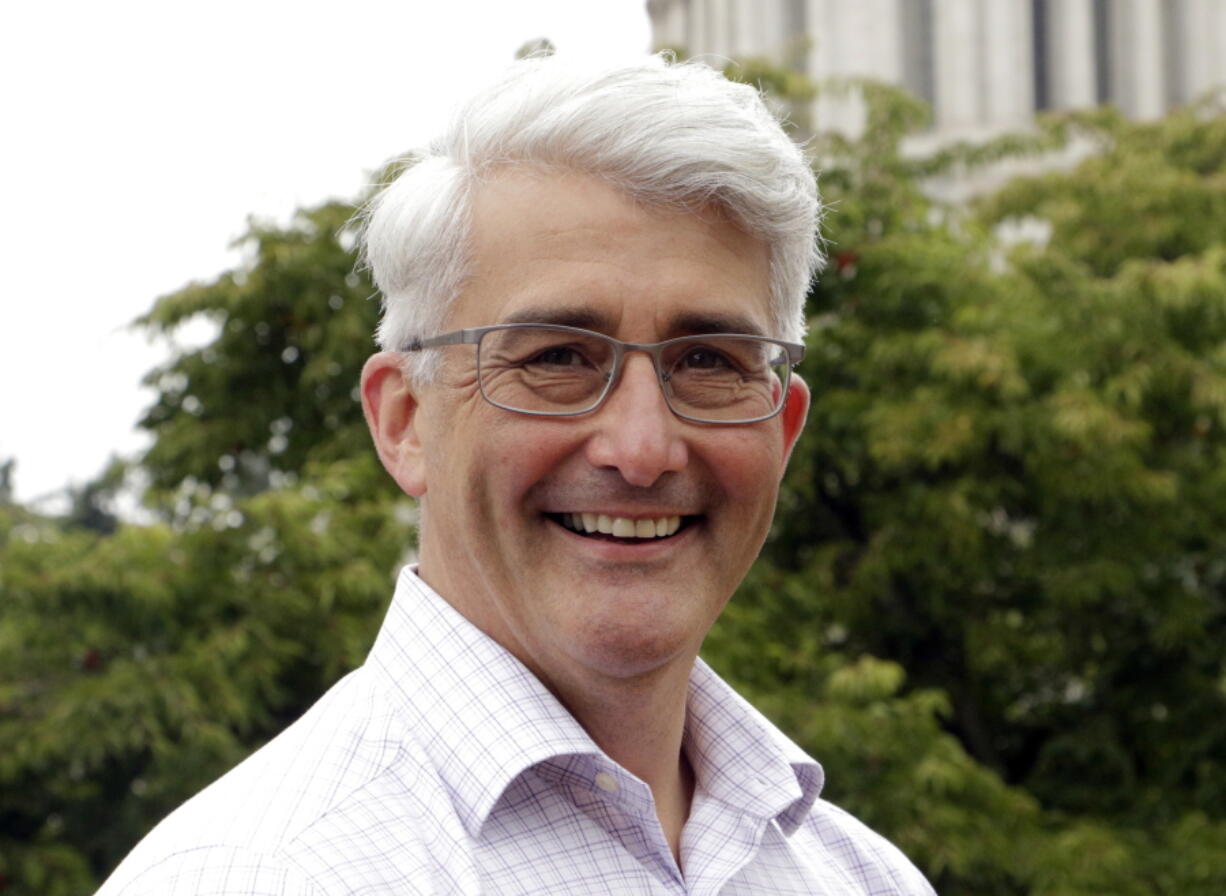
<point x="515" y="456"/>
<point x="747" y="468"/>
<point x="748" y="462"/>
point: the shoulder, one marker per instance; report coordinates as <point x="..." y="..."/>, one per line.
<point x="218" y="870"/>
<point x="276" y="823"/>
<point x="239" y="871"/>
<point x="867" y="858"/>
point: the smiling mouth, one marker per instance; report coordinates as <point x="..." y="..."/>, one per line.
<point x="621" y="529"/>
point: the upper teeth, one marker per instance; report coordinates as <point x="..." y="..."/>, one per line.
<point x="622" y="527"/>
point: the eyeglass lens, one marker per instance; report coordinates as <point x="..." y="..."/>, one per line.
<point x="719" y="378"/>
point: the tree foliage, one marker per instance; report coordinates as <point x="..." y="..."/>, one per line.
<point x="276" y="388"/>
<point x="137" y="666"/>
<point x="1011" y="487"/>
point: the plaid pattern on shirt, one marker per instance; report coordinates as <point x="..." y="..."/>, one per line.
<point x="444" y="766"/>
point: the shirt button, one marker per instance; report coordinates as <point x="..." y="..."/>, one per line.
<point x="606" y="782"/>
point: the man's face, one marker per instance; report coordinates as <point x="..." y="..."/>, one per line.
<point x="497" y="485"/>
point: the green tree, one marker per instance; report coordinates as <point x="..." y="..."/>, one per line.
<point x="139" y="663"/>
<point x="137" y="667"/>
<point x="276" y="389"/>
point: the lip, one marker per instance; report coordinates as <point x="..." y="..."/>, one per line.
<point x="618" y="552"/>
<point x="649" y="513"/>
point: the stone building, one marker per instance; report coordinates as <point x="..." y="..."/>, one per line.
<point x="986" y="66"/>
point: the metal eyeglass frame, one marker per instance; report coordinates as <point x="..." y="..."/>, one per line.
<point x="795" y="354"/>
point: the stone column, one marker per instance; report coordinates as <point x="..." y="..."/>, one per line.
<point x="766" y="22"/>
<point x="713" y="43"/>
<point x="1138" y="76"/>
<point x="757" y="29"/>
<point x="1007" y="97"/>
<point x="857" y="39"/>
<point x="679" y="24"/>
<point x="861" y="39"/>
<point x="697" y="43"/>
<point x="1070" y="41"/>
<point x="832" y="111"/>
<point x="958" y="44"/>
<point x="1215" y="25"/>
<point x="724" y="39"/>
<point x="1195" y="64"/>
<point x="668" y="23"/>
<point x="881" y="24"/>
<point x="745" y="25"/>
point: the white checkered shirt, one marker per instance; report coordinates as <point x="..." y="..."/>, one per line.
<point x="443" y="766"/>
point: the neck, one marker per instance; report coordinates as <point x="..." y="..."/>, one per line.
<point x="637" y="719"/>
<point x="640" y="725"/>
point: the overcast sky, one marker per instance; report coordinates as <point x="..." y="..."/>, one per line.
<point x="138" y="137"/>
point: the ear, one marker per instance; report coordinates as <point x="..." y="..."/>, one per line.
<point x="391" y="407"/>
<point x="795" y="411"/>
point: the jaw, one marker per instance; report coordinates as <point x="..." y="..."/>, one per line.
<point x="587" y="615"/>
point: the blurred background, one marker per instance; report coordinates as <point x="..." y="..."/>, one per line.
<point x="993" y="603"/>
<point x="143" y="135"/>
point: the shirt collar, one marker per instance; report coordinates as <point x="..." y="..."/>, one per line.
<point x="479" y="714"/>
<point x="742" y="759"/>
<point x="483" y="718"/>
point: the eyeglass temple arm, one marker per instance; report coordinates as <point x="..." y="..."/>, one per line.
<point x="457" y="337"/>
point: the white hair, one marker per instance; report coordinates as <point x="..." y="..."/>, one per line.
<point x="675" y="135"/>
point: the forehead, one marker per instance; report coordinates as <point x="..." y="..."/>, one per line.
<point x="568" y="248"/>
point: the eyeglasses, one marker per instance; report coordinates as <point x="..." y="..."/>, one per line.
<point x="556" y="371"/>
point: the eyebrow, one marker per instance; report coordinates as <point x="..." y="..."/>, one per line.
<point x="583" y="318"/>
<point x="714" y="322"/>
<point x="684" y="324"/>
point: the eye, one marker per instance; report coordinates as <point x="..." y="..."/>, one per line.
<point x="702" y="357"/>
<point x="558" y="356"/>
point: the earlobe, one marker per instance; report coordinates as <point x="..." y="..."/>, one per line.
<point x="793" y="415"/>
<point x="391" y="406"/>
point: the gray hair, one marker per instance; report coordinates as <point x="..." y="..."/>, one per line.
<point x="669" y="134"/>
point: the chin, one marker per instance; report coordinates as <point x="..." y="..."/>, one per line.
<point x="621" y="650"/>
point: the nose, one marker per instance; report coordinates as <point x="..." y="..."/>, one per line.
<point x="636" y="432"/>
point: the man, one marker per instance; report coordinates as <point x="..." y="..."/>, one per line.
<point x="594" y="285"/>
